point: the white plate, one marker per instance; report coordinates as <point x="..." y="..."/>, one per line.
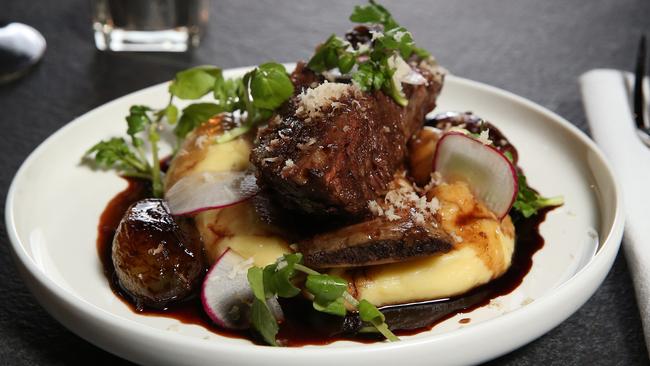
<point x="53" y="207"/>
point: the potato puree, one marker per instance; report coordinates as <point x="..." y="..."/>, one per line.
<point x="482" y="252"/>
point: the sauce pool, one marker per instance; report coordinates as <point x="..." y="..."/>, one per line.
<point x="304" y="326"/>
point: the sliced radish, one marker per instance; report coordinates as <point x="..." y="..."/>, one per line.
<point x="226" y="294"/>
<point x="490" y="175"/>
<point x="209" y="190"/>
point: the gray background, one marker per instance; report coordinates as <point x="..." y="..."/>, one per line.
<point x="533" y="48"/>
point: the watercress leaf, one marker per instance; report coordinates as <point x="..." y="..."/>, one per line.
<point x="195" y="82"/>
<point x="394" y="89"/>
<point x="272" y="66"/>
<point x="171" y="114"/>
<point x="293" y="258"/>
<point x="387" y="43"/>
<point x="336" y="307"/>
<point x="114" y="154"/>
<point x="270" y="86"/>
<point x="194" y="115"/>
<point x="268" y="273"/>
<point x="226" y="92"/>
<point x="529" y="202"/>
<point x="326" y="56"/>
<point x="421" y="53"/>
<point x="331" y="59"/>
<point x="263" y="321"/>
<point x="137" y="119"/>
<point x="369" y="313"/>
<point x="379" y="79"/>
<point x="255" y="277"/>
<point x="346" y="62"/>
<point x="325" y="288"/>
<point x="373" y="14"/>
<point x="281" y="280"/>
<point x="364" y="77"/>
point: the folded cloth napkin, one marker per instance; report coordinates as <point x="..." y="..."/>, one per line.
<point x="606" y="98"/>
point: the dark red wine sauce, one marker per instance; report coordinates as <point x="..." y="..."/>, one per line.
<point x="305" y="326"/>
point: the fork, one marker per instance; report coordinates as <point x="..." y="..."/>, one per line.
<point x="642" y="127"/>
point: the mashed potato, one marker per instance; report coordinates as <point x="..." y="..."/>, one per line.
<point x="482" y="250"/>
<point x="237" y="227"/>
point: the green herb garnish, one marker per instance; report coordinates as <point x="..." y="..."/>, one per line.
<point x="130" y="159"/>
<point x="373" y="14"/>
<point x="376" y="62"/>
<point x="528" y="201"/>
<point x="329" y="293"/>
<point x="253" y="97"/>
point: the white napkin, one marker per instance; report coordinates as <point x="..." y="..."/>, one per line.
<point x="605" y="95"/>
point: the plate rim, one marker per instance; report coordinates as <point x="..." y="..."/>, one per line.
<point x="585" y="277"/>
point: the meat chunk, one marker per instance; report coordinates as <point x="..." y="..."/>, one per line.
<point x="158" y="259"/>
<point x="376" y="241"/>
<point x="333" y="148"/>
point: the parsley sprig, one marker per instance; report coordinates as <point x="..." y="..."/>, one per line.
<point x="376" y="63"/>
<point x="329" y="293"/>
<point x="252" y="98"/>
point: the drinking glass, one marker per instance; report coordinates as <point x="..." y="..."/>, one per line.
<point x="149" y="25"/>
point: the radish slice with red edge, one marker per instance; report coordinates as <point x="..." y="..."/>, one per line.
<point x="490" y="175"/>
<point x="226" y="294"/>
<point x="209" y="190"/>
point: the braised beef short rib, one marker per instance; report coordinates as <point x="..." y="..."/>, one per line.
<point x="330" y="160"/>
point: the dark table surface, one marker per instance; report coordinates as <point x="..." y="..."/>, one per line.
<point x="533" y="48"/>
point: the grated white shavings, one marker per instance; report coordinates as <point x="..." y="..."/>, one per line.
<point x="431" y="65"/>
<point x="374" y="207"/>
<point x="375" y="35"/>
<point x="435" y="180"/>
<point x="240" y="268"/>
<point x="484" y="137"/>
<point x="390" y="214"/>
<point x="456" y="237"/>
<point x="346" y="128"/>
<point x="386" y="129"/>
<point x="363" y="48"/>
<point x="418" y="217"/>
<point x="289" y="163"/>
<point x="405" y="198"/>
<point x="312" y="101"/>
<point x="200" y="141"/>
<point x="337" y="105"/>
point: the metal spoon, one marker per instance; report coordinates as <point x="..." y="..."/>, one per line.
<point x="21" y="47"/>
